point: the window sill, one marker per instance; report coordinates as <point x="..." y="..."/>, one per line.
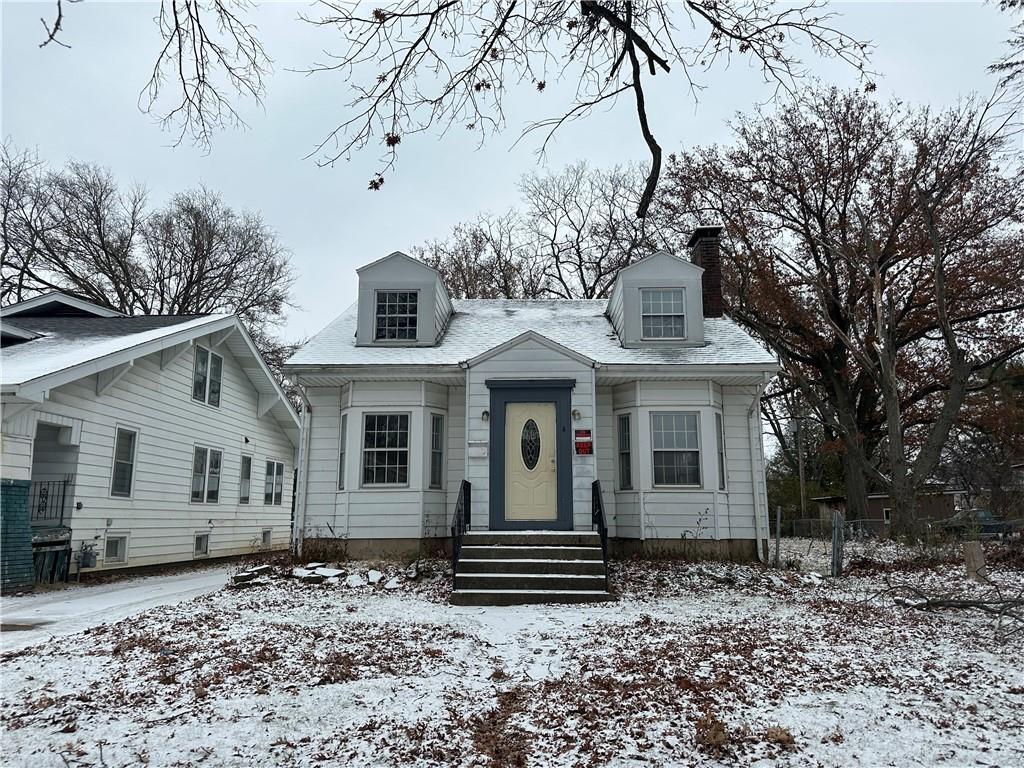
<point x="674" y="488"/>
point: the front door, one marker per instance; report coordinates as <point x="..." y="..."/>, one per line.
<point x="531" y="477"/>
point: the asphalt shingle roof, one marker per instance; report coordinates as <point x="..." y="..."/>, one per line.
<point x="482" y="324"/>
<point x="71" y="341"/>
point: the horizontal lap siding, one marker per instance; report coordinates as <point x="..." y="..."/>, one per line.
<point x="704" y="512"/>
<point x="740" y="520"/>
<point x="456" y="459"/>
<point x="326" y="510"/>
<point x="605" y="442"/>
<point x="159" y="517"/>
<point x="409" y="512"/>
<point x="530" y="360"/>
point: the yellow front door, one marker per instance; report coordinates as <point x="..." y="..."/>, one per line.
<point x="530" y="468"/>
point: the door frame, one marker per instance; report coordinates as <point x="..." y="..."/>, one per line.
<point x="559" y="392"/>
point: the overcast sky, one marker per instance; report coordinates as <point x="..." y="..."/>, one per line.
<point x="82" y="103"/>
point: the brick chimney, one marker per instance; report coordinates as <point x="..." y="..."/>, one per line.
<point x="705" y="252"/>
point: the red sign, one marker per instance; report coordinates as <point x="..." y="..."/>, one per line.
<point x="584" y="442"/>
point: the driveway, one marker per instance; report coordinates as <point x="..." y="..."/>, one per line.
<point x="34" y="618"/>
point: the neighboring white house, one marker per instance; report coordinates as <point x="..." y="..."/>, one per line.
<point x="148" y="439"/>
<point x="652" y="392"/>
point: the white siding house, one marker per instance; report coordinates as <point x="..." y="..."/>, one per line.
<point x="652" y="392"/>
<point x="144" y="440"/>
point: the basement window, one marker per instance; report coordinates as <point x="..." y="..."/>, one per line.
<point x="115" y="549"/>
<point x="202" y="545"/>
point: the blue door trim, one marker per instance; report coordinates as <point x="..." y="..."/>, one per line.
<point x="557" y="391"/>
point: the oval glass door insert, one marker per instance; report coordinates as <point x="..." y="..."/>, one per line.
<point x="530" y="444"/>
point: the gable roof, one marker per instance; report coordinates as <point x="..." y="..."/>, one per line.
<point x="662" y="254"/>
<point x="71" y="348"/>
<point x="533" y="336"/>
<point x="57" y="304"/>
<point x="403" y="257"/>
<point x="479" y="325"/>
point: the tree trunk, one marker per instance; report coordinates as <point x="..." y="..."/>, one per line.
<point x="904" y="506"/>
<point x="974" y="559"/>
<point x="856" y="489"/>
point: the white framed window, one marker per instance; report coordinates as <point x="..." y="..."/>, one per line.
<point x="206" y="467"/>
<point x="396" y="315"/>
<point x="267" y="537"/>
<point x="201" y="544"/>
<point x="386" y="449"/>
<point x="625" y="452"/>
<point x="887" y="515"/>
<point x="206" y="376"/>
<point x="341" y="452"/>
<point x="436" y="450"/>
<point x="273" y="483"/>
<point x="675" y="444"/>
<point x="245" y="480"/>
<point x="123" y="471"/>
<point x="662" y="313"/>
<point x="115" y="548"/>
<point x="720" y="441"/>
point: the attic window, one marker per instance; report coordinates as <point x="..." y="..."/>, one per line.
<point x="662" y="315"/>
<point x="396" y="315"/>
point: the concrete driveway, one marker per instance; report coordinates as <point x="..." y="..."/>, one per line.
<point x="34" y="618"/>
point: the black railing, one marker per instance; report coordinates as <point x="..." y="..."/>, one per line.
<point x="460" y="523"/>
<point x="597" y="518"/>
<point x="48" y="500"/>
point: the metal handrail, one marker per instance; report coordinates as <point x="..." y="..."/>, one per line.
<point x="460" y="523"/>
<point x="48" y="500"/>
<point x="598" y="519"/>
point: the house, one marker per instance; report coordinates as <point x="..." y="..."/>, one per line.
<point x="934" y="503"/>
<point x="414" y="398"/>
<point x="131" y="441"/>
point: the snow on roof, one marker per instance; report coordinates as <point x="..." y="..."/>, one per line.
<point x="70" y="341"/>
<point x="482" y="324"/>
<point x="55" y="303"/>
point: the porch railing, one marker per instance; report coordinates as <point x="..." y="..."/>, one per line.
<point x="48" y="500"/>
<point x="599" y="522"/>
<point x="460" y="523"/>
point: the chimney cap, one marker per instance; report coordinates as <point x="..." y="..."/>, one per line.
<point x="703" y="233"/>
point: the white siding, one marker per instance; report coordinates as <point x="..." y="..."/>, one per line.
<point x="530" y="360"/>
<point x="605" y="447"/>
<point x="159" y="515"/>
<point x="411" y="511"/>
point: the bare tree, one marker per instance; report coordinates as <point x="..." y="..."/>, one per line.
<point x="415" y="66"/>
<point x="1010" y="66"/>
<point x="75" y="230"/>
<point x="572" y="234"/>
<point x="878" y="251"/>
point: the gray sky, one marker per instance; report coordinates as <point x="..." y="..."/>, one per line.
<point x="82" y="103"/>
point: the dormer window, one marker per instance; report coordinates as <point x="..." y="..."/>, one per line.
<point x="396" y="315"/>
<point x="662" y="313"/>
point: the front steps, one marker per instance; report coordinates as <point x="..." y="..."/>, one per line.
<point x="527" y="567"/>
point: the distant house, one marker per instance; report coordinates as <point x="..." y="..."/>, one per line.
<point x="132" y="441"/>
<point x="933" y="504"/>
<point x="415" y="397"/>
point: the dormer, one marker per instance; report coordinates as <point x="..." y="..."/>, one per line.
<point x="657" y="302"/>
<point x="402" y="303"/>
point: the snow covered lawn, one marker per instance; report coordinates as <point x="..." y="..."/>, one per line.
<point x="694" y="665"/>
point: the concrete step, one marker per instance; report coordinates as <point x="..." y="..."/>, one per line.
<point x="498" y="552"/>
<point x="527" y="596"/>
<point x="538" y="565"/>
<point x="530" y="581"/>
<point x="532" y="539"/>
